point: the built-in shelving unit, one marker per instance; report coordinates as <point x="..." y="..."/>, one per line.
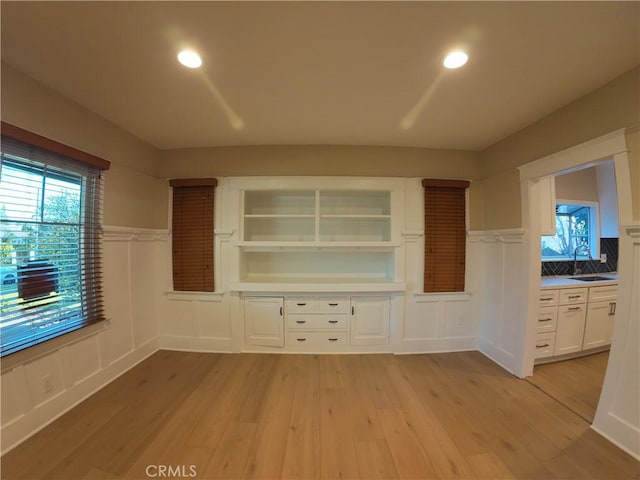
<point x="317" y="236"/>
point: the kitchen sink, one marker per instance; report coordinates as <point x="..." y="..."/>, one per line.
<point x="591" y="278"/>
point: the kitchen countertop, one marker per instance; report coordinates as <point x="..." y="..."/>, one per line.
<point x="569" y="282"/>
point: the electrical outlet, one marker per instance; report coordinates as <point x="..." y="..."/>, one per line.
<point x="47" y="384"/>
<point x="603" y="258"/>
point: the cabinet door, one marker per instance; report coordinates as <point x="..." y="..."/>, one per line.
<point x="263" y="321"/>
<point x="570" y="329"/>
<point x="599" y="324"/>
<point x="369" y="320"/>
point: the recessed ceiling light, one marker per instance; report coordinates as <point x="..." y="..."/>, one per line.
<point x="189" y="59"/>
<point x="455" y="59"/>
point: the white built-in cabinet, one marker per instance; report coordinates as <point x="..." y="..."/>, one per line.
<point x="572" y="320"/>
<point x="369" y="321"/>
<point x="264" y="321"/>
<point x="317" y="323"/>
<point x="318" y="263"/>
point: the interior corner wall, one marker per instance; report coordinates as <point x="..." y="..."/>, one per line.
<point x="134" y="195"/>
<point x="611" y="107"/>
<point x="633" y="154"/>
<point x="135" y="235"/>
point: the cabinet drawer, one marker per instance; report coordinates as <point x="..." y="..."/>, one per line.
<point x="573" y="295"/>
<point x="545" y="344"/>
<point x="601" y="294"/>
<point x="333" y="305"/>
<point x="328" y="322"/>
<point x="301" y="305"/>
<point x="316" y="339"/>
<point x="547" y="319"/>
<point x="548" y="298"/>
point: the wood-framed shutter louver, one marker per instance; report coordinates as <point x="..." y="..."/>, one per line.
<point x="193" y="234"/>
<point x="444" y="235"/>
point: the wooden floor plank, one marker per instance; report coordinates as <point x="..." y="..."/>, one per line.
<point x="449" y="416"/>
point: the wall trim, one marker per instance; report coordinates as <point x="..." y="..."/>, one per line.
<point x="196" y="344"/>
<point x="416" y="346"/>
<point x="111" y="233"/>
<point x="503" y="358"/>
<point x="511" y="235"/>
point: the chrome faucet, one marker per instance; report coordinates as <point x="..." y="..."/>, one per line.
<point x="584" y="249"/>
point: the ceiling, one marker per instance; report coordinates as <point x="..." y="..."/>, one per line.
<point x="335" y="73"/>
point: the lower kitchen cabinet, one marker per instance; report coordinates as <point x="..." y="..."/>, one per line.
<point x="264" y="321"/>
<point x="570" y="329"/>
<point x="599" y="324"/>
<point x="369" y="320"/>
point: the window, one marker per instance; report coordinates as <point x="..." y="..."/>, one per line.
<point x="576" y="232"/>
<point x="50" y="244"/>
<point x="192" y="234"/>
<point x="444" y="235"/>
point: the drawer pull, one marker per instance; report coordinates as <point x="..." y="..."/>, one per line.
<point x="573" y="309"/>
<point x="543" y="346"/>
<point x="301" y="304"/>
<point x="333" y="339"/>
<point x="546" y="299"/>
<point x="545" y="319"/>
<point x="571" y="297"/>
<point x="301" y="321"/>
<point x="301" y="339"/>
<point x="333" y="321"/>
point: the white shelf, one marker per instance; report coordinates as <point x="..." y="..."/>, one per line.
<point x="317" y="240"/>
<point x="314" y="285"/>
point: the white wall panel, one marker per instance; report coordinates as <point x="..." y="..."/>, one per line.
<point x="84" y="358"/>
<point x="76" y="369"/>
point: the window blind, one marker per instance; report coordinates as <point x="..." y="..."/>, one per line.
<point x="50" y="255"/>
<point x="444" y="235"/>
<point x="193" y="234"/>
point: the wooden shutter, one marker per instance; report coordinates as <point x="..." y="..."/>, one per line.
<point x="193" y="234"/>
<point x="444" y="235"/>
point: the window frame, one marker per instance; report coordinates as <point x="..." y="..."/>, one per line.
<point x="594" y="231"/>
<point x="28" y="150"/>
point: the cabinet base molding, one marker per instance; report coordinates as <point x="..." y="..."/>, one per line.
<point x="569" y="356"/>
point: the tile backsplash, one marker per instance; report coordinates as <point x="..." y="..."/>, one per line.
<point x="608" y="246"/>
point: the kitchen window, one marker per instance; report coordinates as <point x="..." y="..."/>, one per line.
<point x="50" y="213"/>
<point x="577" y="227"/>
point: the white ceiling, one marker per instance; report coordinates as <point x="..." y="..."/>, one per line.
<point x="339" y="73"/>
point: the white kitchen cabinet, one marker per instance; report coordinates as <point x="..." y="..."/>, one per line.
<point x="264" y="321"/>
<point x="601" y="312"/>
<point x="570" y="328"/>
<point x="369" y="320"/>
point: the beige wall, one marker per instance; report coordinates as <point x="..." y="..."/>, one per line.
<point x="579" y="185"/>
<point x="611" y="107"/>
<point x="134" y="196"/>
<point x="319" y="160"/>
<point x="633" y="146"/>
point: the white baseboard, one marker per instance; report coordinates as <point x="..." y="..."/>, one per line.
<point x="627" y="436"/>
<point x="23" y="427"/>
<point x="194" y="344"/>
<point x="410" y="346"/>
<point x="503" y="358"/>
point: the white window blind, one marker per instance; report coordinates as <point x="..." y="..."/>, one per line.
<point x="50" y="219"/>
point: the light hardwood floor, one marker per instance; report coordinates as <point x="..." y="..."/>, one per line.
<point x="453" y="416"/>
<point x="575" y="383"/>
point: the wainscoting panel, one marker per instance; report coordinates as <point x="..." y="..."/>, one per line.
<point x="41" y="383"/>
